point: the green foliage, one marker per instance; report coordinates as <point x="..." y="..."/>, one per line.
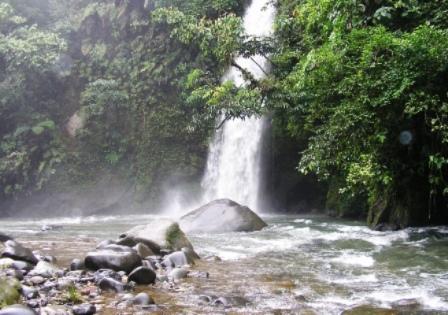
<point x="351" y="76"/>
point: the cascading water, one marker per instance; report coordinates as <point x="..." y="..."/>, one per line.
<point x="234" y="161"/>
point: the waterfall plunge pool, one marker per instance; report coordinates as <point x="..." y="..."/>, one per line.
<point x="298" y="264"/>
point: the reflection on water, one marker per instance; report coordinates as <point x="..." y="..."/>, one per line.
<point x="297" y="263"/>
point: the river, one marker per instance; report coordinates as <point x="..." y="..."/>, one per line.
<point x="296" y="264"/>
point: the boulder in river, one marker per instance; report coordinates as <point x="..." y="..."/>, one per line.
<point x="116" y="258"/>
<point x="46" y="269"/>
<point x="159" y="234"/>
<point x="16" y="251"/>
<point x="142" y="275"/>
<point x="220" y="216"/>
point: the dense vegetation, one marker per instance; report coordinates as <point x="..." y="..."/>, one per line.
<point x="357" y="95"/>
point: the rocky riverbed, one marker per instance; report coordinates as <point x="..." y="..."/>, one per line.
<point x="295" y="265"/>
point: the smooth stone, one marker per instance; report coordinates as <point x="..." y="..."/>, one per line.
<point x="106" y="273"/>
<point x="142" y="275"/>
<point x="17" y="309"/>
<point x="46" y="269"/>
<point x="219" y="216"/>
<point x="142" y="299"/>
<point x="178" y="273"/>
<point x="164" y="233"/>
<point x="77" y="264"/>
<point x="16" y="251"/>
<point x="29" y="292"/>
<point x="36" y="280"/>
<point x="109" y="284"/>
<point x="84" y="309"/>
<point x="114" y="259"/>
<point x="143" y="250"/>
<point x="177" y="259"/>
<point x="104" y="243"/>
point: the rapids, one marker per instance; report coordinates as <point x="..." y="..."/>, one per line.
<point x="297" y="263"/>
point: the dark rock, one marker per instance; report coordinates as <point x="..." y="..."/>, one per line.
<point x="387" y="227"/>
<point x="16" y="251"/>
<point x="84" y="309"/>
<point x="109" y="284"/>
<point x="142" y="299"/>
<point x="231" y="301"/>
<point x="142" y="275"/>
<point x="115" y="259"/>
<point x="4" y="237"/>
<point x="126" y="241"/>
<point x="220" y="216"/>
<point x="17" y="310"/>
<point x="77" y="264"/>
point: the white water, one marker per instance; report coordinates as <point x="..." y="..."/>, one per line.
<point x="234" y="162"/>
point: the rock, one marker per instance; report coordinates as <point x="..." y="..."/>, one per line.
<point x="17" y="310"/>
<point x="18" y="274"/>
<point x="177" y="259"/>
<point x="231" y="301"/>
<point x="106" y="273"/>
<point x="142" y="275"/>
<point x="46" y="269"/>
<point x="84" y="309"/>
<point x="9" y="291"/>
<point x="160" y="234"/>
<point x="105" y="243"/>
<point x="387" y="227"/>
<point x="16" y="251"/>
<point x="178" y="273"/>
<point x="36" y="280"/>
<point x="4" y="237"/>
<point x="221" y="216"/>
<point x="29" y="292"/>
<point x="14" y="264"/>
<point x="407" y="305"/>
<point x="117" y="258"/>
<point x="77" y="264"/>
<point x="142" y="299"/>
<point x="64" y="284"/>
<point x="109" y="284"/>
<point x="143" y="251"/>
<point x="199" y="274"/>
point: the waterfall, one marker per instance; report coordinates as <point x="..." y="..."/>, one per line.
<point x="234" y="162"/>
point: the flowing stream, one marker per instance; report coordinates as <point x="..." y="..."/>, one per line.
<point x="297" y="263"/>
<point x="234" y="162"/>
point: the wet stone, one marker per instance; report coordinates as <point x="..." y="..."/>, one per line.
<point x="142" y="275"/>
<point x="77" y="264"/>
<point x="231" y="301"/>
<point x="84" y="309"/>
<point x="36" y="280"/>
<point x="142" y="299"/>
<point x="109" y="284"/>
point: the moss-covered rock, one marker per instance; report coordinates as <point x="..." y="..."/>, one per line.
<point x="9" y="291"/>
